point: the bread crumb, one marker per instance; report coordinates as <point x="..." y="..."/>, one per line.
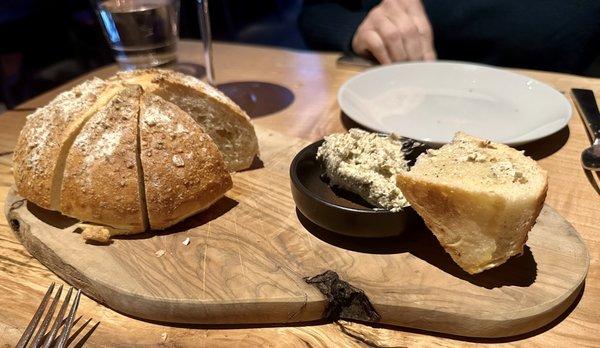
<point x="186" y="241"/>
<point x="159" y="253"/>
<point x="99" y="233"/>
<point x="96" y="233"/>
<point x="163" y="336"/>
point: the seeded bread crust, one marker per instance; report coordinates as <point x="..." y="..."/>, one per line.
<point x="184" y="172"/>
<point x="100" y="182"/>
<point x="223" y="120"/>
<point x="88" y="155"/>
<point x="481" y="216"/>
<point x="42" y="139"/>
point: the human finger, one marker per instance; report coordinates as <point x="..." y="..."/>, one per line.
<point x="369" y="42"/>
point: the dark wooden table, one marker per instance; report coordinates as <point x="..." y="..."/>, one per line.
<point x="309" y="81"/>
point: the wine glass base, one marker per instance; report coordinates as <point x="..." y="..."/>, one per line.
<point x="258" y="98"/>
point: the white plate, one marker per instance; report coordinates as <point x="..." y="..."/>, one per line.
<point x="431" y="101"/>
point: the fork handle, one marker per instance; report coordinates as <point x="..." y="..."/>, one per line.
<point x="588" y="109"/>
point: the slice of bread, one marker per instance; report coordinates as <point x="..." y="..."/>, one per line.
<point x="100" y="182"/>
<point x="183" y="170"/>
<point x="222" y="119"/>
<point x="45" y="139"/>
<point x="479" y="198"/>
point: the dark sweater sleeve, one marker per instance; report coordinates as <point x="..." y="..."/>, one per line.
<point x="330" y="25"/>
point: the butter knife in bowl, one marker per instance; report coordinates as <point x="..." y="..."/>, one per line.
<point x="585" y="101"/>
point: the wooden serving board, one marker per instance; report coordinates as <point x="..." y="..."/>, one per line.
<point x="249" y="255"/>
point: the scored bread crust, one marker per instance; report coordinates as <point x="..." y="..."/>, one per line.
<point x="480" y="227"/>
<point x="183" y="170"/>
<point x="82" y="155"/>
<point x="223" y="120"/>
<point x="44" y="139"/>
<point x="100" y="182"/>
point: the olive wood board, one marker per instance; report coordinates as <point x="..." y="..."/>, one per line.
<point x="249" y="255"/>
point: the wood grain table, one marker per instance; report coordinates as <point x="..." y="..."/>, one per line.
<point x="299" y="99"/>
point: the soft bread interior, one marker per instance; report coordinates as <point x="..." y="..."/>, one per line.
<point x="220" y="118"/>
<point x="480" y="199"/>
<point x="59" y="169"/>
<point x="235" y="140"/>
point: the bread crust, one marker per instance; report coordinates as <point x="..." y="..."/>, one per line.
<point x="184" y="172"/>
<point x="94" y="154"/>
<point x="43" y="137"/>
<point x="238" y="153"/>
<point x="480" y="228"/>
<point x="100" y="182"/>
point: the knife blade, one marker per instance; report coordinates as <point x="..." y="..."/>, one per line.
<point x="585" y="101"/>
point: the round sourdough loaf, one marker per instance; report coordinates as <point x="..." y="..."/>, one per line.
<point x="130" y="154"/>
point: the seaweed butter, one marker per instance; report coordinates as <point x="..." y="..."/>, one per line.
<point x="366" y="164"/>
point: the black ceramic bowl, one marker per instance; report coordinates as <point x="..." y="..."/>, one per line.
<point x="335" y="209"/>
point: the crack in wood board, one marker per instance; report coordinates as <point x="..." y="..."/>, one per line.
<point x="205" y="259"/>
<point x="301" y="307"/>
<point x="239" y="244"/>
<point x="361" y="338"/>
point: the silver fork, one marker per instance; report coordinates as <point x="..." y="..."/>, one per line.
<point x="41" y="335"/>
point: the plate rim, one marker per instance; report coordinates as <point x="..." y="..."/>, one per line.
<point x="564" y="119"/>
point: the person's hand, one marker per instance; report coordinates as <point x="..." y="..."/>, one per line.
<point x="395" y="30"/>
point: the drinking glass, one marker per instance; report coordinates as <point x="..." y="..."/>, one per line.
<point x="141" y="33"/>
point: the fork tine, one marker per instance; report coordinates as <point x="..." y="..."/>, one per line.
<point x="62" y="341"/>
<point x="36" y="318"/>
<point x="58" y="320"/>
<point x="43" y="328"/>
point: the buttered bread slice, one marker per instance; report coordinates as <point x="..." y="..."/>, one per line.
<point x="479" y="198"/>
<point x="183" y="170"/>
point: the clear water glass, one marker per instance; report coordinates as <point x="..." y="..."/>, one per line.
<point x="141" y="33"/>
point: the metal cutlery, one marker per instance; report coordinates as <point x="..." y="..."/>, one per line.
<point x="585" y="101"/>
<point x="47" y="338"/>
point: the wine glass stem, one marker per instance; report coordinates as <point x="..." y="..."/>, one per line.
<point x="204" y="18"/>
